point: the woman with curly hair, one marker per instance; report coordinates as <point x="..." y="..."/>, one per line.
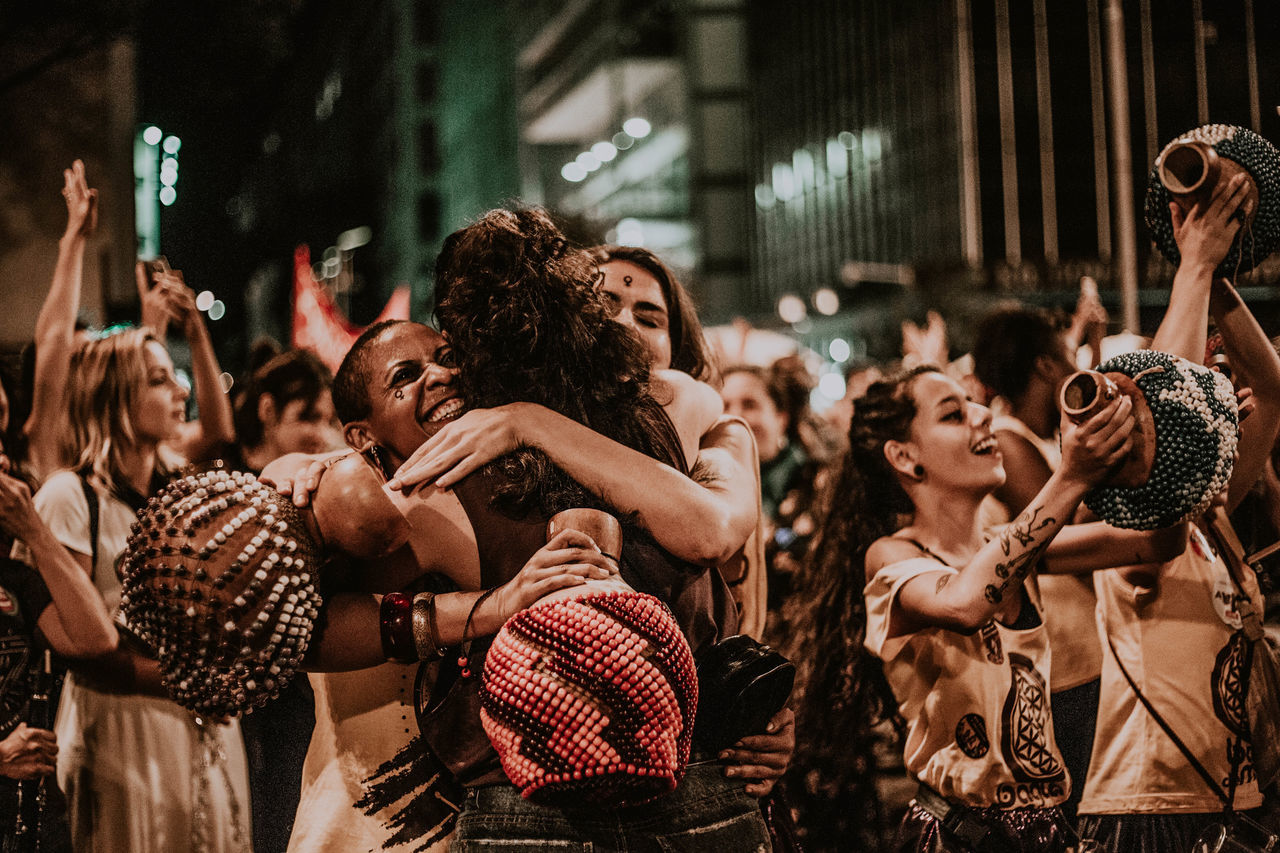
<point x="919" y="618"/>
<point x="528" y="329"/>
<point x="526" y="325"/>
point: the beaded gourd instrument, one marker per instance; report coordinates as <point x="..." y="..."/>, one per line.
<point x="591" y="699"/>
<point x="217" y="581"/>
<point x="1195" y="422"/>
<point x="1241" y="149"/>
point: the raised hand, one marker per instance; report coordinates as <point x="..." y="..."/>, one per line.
<point x="1091" y="449"/>
<point x="17" y="513"/>
<point x="1205" y="233"/>
<point x="82" y="202"/>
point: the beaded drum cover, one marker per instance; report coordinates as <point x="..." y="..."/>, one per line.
<point x="217" y="581"/>
<point x="591" y="699"/>
<point x="1259" y="237"/>
<point x="1194" y="410"/>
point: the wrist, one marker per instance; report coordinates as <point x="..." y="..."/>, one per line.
<point x="72" y="238"/>
<point x="1070" y="484"/>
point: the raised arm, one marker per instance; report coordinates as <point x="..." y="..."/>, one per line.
<point x="55" y="327"/>
<point x="1204" y="236"/>
<point x="966" y="600"/>
<point x="1254" y="358"/>
<point x="76" y="623"/>
<point x="215" y="427"/>
<point x="703" y="521"/>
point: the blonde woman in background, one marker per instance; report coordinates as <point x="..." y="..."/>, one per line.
<point x="140" y="772"/>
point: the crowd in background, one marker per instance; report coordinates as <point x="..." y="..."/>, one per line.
<point x="853" y="506"/>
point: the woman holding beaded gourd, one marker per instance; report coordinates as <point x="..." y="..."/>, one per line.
<point x="1167" y="623"/>
<point x="140" y="772"/>
<point x="920" y="618"/>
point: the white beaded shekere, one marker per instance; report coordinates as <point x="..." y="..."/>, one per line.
<point x="218" y="581"/>
<point x="1261" y="160"/>
<point x="1196" y="423"/>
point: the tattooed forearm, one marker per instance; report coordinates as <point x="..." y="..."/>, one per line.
<point x="1027" y="530"/>
<point x="1023" y="529"/>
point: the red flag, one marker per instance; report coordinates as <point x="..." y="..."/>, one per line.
<point x="319" y="325"/>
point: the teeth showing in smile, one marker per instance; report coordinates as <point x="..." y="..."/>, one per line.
<point x="985" y="446"/>
<point x="447" y="409"/>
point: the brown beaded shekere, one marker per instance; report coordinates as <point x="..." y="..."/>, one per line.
<point x="218" y="582"/>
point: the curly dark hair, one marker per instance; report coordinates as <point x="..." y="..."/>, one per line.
<point x="689" y="351"/>
<point x="520" y="310"/>
<point x="842" y="696"/>
<point x="1007" y="343"/>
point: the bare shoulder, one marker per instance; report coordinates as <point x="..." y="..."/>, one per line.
<point x="729" y="432"/>
<point x="353" y="512"/>
<point x="888" y="550"/>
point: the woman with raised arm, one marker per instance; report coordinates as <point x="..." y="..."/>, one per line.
<point x="140" y="772"/>
<point x="918" y="616"/>
<point x="55" y="331"/>
<point x="1175" y="628"/>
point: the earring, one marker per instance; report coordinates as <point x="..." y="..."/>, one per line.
<point x="918" y="471"/>
<point x="373" y="455"/>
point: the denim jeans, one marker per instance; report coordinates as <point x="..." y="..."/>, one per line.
<point x="707" y="812"/>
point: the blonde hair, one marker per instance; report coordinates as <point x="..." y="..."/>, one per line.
<point x="108" y="375"/>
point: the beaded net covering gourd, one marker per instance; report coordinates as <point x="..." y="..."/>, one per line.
<point x="591" y="699"/>
<point x="1261" y="160"/>
<point x="1196" y="422"/>
<point x="218" y="581"/>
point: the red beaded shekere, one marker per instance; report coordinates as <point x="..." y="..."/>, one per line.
<point x="591" y="699"/>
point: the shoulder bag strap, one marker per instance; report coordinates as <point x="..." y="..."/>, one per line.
<point x="1232" y="552"/>
<point x="91" y="497"/>
<point x="1164" y="725"/>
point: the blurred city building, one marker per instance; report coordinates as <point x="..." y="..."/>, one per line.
<point x="823" y="169"/>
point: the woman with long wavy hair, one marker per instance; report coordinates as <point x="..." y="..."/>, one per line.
<point x="919" y="617"/>
<point x="140" y="772"/>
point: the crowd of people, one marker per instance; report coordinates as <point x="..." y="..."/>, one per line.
<point x="976" y="654"/>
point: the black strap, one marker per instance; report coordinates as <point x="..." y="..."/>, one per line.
<point x="1177" y="741"/>
<point x="91" y="497"/>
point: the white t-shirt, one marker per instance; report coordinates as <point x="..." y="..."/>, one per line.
<point x="1178" y="641"/>
<point x="979" y="727"/>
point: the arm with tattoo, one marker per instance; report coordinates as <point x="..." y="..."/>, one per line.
<point x="970" y="597"/>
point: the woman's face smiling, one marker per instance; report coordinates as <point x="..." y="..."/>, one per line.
<point x="410" y="388"/>
<point x="953" y="437"/>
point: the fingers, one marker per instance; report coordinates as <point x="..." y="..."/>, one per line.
<point x="417" y="469"/>
<point x="568" y="559"/>
<point x="1176" y="216"/>
<point x="570" y="538"/>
